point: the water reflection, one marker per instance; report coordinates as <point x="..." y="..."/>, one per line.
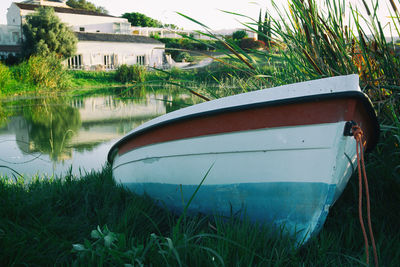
<point x="47" y="135"/>
<point x="51" y="123"/>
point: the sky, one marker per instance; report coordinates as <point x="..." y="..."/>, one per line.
<point x="208" y="12"/>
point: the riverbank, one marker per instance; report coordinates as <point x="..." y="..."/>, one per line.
<point x="90" y="220"/>
<point x="47" y="75"/>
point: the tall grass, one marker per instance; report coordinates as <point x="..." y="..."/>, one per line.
<point x="129" y="74"/>
<point x="92" y="221"/>
<point x="43" y="73"/>
<point x="5" y="76"/>
<point x="36" y="74"/>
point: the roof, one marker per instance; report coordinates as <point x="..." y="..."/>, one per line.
<point x="119" y="38"/>
<point x="64" y="10"/>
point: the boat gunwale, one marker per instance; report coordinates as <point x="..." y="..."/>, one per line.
<point x="268" y="103"/>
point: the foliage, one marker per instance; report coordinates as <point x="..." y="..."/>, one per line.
<point x="184" y="57"/>
<point x="5" y="77"/>
<point x="36" y="74"/>
<point x="188" y="44"/>
<point x="42" y="73"/>
<point x="86" y="5"/>
<point x="139" y="19"/>
<point x="170" y="26"/>
<point x="45" y="34"/>
<point x="174" y="46"/>
<point x="84" y="79"/>
<point x="239" y="35"/>
<point x="250" y="43"/>
<point x="264" y="29"/>
<point x="133" y="73"/>
<point x="55" y="123"/>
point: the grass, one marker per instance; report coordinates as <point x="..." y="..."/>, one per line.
<point x="90" y="79"/>
<point x="91" y="220"/>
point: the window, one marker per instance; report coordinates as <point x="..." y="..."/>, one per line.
<point x="75" y="62"/>
<point x="140" y="60"/>
<point x="110" y="61"/>
<point x="15" y="37"/>
<point x="117" y="27"/>
<point x="81" y="29"/>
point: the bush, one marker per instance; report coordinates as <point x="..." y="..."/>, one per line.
<point x="42" y="72"/>
<point x="184" y="57"/>
<point x="239" y="35"/>
<point x="250" y="43"/>
<point x="5" y="77"/>
<point x="186" y="44"/>
<point x="134" y="73"/>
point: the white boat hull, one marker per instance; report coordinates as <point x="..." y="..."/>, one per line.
<point x="287" y="176"/>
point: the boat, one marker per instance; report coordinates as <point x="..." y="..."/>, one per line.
<point x="281" y="156"/>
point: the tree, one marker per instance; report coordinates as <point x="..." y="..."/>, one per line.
<point x="264" y="29"/>
<point x="83" y="4"/>
<point x="45" y="34"/>
<point x="170" y="26"/>
<point x="139" y="19"/>
<point x="239" y="35"/>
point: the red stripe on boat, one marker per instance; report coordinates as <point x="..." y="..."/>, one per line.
<point x="313" y="112"/>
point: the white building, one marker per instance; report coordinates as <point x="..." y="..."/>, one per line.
<point x="106" y="51"/>
<point x="105" y="41"/>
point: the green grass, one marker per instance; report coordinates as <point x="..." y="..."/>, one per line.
<point x="86" y="79"/>
<point x="90" y="220"/>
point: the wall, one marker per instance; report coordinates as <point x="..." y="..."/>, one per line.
<point x="13" y="15"/>
<point x="126" y="53"/>
<point x="112" y="27"/>
<point x="10" y="35"/>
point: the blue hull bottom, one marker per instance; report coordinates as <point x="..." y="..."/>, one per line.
<point x="301" y="208"/>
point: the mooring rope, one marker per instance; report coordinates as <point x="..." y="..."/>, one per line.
<point x="359" y="136"/>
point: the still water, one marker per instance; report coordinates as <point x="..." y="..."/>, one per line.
<point x="51" y="135"/>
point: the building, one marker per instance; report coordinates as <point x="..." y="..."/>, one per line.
<point x="104" y="41"/>
<point x="107" y="51"/>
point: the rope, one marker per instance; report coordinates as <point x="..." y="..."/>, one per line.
<point x="359" y="136"/>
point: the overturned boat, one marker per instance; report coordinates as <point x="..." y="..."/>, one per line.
<point x="280" y="156"/>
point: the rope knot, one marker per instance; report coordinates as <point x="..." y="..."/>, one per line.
<point x="359" y="134"/>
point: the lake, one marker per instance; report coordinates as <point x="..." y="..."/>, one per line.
<point x="52" y="135"/>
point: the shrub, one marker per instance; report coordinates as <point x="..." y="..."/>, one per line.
<point x="134" y="73"/>
<point x="184" y="57"/>
<point x="5" y="77"/>
<point x="250" y="43"/>
<point x="239" y="35"/>
<point x="42" y="72"/>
